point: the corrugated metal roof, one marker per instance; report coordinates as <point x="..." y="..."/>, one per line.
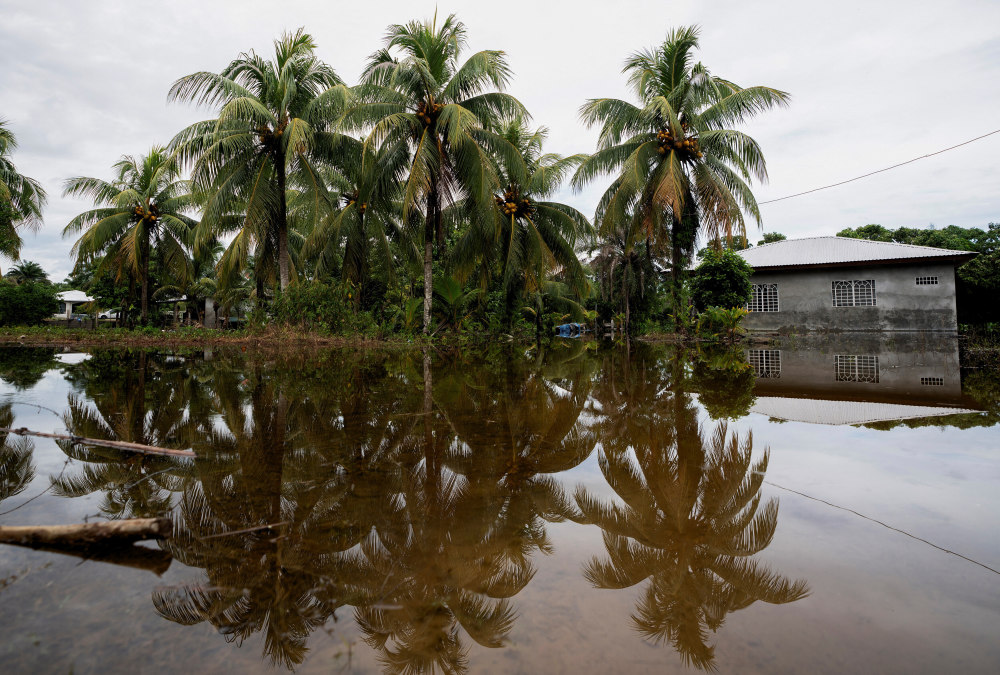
<point x="839" y="250"/>
<point x="820" y="411"/>
<point x="73" y="296"/>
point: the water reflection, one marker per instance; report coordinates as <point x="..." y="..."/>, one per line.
<point x="879" y="379"/>
<point x="414" y="490"/>
<point x="690" y="517"/>
<point x="136" y="397"/>
<point x="17" y="468"/>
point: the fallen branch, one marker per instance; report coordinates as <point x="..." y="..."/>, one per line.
<point x="86" y="534"/>
<point x="119" y="445"/>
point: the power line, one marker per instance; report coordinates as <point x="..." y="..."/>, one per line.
<point x="888" y="168"/>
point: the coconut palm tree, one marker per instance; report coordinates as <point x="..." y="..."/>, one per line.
<point x="367" y="227"/>
<point x="271" y="116"/>
<point x="145" y="206"/>
<point x="27" y="271"/>
<point x="690" y="522"/>
<point x="21" y="198"/>
<point x="681" y="168"/>
<point x="528" y="236"/>
<point x="444" y="112"/>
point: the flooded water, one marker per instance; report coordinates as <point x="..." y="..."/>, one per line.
<point x="823" y="505"/>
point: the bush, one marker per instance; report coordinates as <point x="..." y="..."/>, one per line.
<point x="316" y="305"/>
<point x="721" y="280"/>
<point x="28" y="304"/>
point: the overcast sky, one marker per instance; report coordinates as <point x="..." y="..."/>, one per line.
<point x="872" y="83"/>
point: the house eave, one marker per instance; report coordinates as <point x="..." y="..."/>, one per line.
<point x="955" y="259"/>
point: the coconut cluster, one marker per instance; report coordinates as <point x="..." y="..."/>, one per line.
<point x="353" y="198"/>
<point x="512" y="204"/>
<point x="687" y="148"/>
<point x="142" y="213"/>
<point x="428" y="112"/>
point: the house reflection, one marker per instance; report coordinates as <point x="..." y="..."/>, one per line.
<point x="862" y="378"/>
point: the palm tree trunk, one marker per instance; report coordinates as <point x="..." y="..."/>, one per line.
<point x="144" y="302"/>
<point x="283" y="261"/>
<point x="430" y="229"/>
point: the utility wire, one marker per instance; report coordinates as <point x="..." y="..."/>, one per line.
<point x="888" y="168"/>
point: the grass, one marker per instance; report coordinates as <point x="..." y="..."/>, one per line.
<point x="185" y="336"/>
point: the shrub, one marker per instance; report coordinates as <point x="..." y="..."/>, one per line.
<point x="317" y="305"/>
<point x="721" y="280"/>
<point x="27" y="304"/>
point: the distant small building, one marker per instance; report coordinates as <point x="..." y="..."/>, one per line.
<point x="69" y="299"/>
<point x="842" y="284"/>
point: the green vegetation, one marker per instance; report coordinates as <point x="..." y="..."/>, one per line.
<point x="722" y="279"/>
<point x="27" y="303"/>
<point x="21" y="198"/>
<point x="309" y="203"/>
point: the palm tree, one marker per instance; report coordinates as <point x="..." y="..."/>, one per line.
<point x="369" y="182"/>
<point x="690" y="522"/>
<point x="272" y="114"/>
<point x="143" y="207"/>
<point x="444" y="112"/>
<point x="682" y="170"/>
<point x="537" y="237"/>
<point x="21" y="198"/>
<point x="27" y="271"/>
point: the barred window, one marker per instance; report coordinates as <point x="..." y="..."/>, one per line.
<point x="927" y="281"/>
<point x="766" y="363"/>
<point x="854" y="293"/>
<point x="763" y="298"/>
<point x="850" y="368"/>
<point x="932" y="381"/>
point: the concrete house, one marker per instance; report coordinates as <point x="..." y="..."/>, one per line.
<point x="842" y="284"/>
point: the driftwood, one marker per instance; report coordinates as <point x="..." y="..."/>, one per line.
<point x="119" y="445"/>
<point x="109" y="542"/>
<point x="86" y="534"/>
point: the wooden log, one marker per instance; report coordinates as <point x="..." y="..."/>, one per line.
<point x="119" y="445"/>
<point x="86" y="534"/>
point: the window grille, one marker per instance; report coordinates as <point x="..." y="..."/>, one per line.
<point x="851" y="368"/>
<point x="763" y="298"/>
<point x="927" y="281"/>
<point x="932" y="381"/>
<point x="766" y="363"/>
<point x="854" y="293"/>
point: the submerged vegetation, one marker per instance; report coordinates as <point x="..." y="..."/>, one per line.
<point x="421" y="199"/>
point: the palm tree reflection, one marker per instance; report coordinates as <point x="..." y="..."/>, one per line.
<point x="17" y="468"/>
<point x="690" y="521"/>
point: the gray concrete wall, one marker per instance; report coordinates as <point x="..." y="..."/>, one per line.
<point x="805" y="300"/>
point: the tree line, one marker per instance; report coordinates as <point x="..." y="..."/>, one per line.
<point x="421" y="196"/>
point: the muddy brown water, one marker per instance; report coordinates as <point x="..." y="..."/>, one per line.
<point x="824" y="505"/>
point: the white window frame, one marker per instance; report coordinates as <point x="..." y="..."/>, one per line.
<point x="853" y="293"/>
<point x="760" y="300"/>
<point x="927" y="281"/>
<point x="766" y="363"/>
<point x="856" y="368"/>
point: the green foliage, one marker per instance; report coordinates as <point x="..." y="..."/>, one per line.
<point x="771" y="237"/>
<point x="721" y="280"/>
<point x="21" y="198"/>
<point x="316" y="305"/>
<point x="722" y="322"/>
<point x="724" y="382"/>
<point x="26" y="304"/>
